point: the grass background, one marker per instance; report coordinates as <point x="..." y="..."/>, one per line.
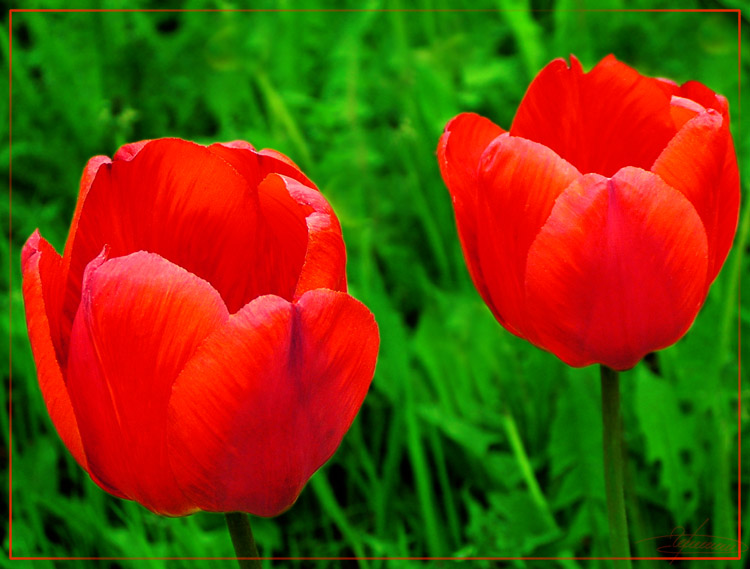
<point x="471" y="442"/>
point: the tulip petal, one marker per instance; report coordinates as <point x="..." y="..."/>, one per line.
<point x="599" y="121"/>
<point x="704" y="96"/>
<point x="520" y="180"/>
<point x="238" y="144"/>
<point x="301" y="226"/>
<point x="701" y="96"/>
<point x="89" y="174"/>
<point x="284" y="240"/>
<point x="683" y="110"/>
<point x="700" y="162"/>
<point x="141" y="318"/>
<point x="181" y="201"/>
<point x="255" y="165"/>
<point x="461" y="146"/>
<point x="618" y="270"/>
<point x="127" y="152"/>
<point x="72" y="296"/>
<point x="325" y="259"/>
<point x="269" y="155"/>
<point x="267" y="399"/>
<point x="42" y="294"/>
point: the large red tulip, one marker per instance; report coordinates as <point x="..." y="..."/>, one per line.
<point x="195" y="344"/>
<point x="595" y="226"/>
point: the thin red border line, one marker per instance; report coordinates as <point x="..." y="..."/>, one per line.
<point x="408" y="10"/>
<point x="739" y="298"/>
<point x="739" y="304"/>
<point x="10" y="272"/>
<point x="379" y="558"/>
<point x="10" y="285"/>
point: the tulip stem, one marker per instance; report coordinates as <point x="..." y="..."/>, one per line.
<point x="613" y="467"/>
<point x="243" y="540"/>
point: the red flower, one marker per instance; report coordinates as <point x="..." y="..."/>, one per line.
<point x="195" y="344"/>
<point x="595" y="227"/>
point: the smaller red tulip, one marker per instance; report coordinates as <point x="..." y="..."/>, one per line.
<point x="595" y="226"/>
<point x="195" y="344"/>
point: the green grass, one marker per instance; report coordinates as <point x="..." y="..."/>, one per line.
<point x="471" y="441"/>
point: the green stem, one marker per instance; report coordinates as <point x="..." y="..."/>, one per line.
<point x="243" y="540"/>
<point x="613" y="466"/>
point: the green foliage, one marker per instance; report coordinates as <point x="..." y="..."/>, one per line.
<point x="471" y="441"/>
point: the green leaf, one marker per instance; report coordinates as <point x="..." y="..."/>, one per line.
<point x="670" y="440"/>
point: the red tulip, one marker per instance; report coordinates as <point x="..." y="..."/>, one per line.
<point x="595" y="226"/>
<point x="195" y="344"/>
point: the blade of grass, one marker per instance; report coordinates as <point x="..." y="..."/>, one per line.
<point x="324" y="492"/>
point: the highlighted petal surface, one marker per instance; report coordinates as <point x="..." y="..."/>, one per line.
<point x="180" y="200"/>
<point x="618" y="270"/>
<point x="599" y="121"/>
<point x="700" y="163"/>
<point x="520" y="181"/>
<point x="325" y="259"/>
<point x="141" y="319"/>
<point x="42" y="294"/>
<point x="266" y="400"/>
<point x="460" y="149"/>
